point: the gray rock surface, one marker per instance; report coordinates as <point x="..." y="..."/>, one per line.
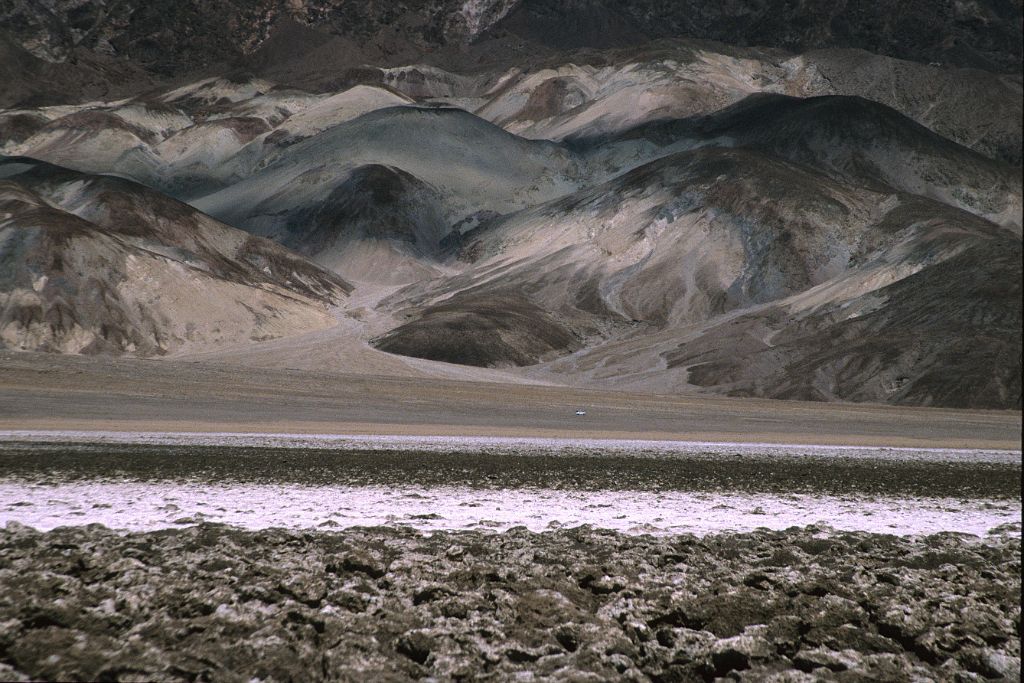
<point x="172" y="36"/>
<point x="214" y="603"/>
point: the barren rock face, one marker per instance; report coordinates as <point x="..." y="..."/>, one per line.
<point x="172" y="37"/>
<point x="364" y="604"/>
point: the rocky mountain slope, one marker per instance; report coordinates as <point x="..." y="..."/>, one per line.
<point x="96" y="264"/>
<point x="662" y="273"/>
<point x="574" y="95"/>
<point x="31" y="81"/>
<point x="854" y="139"/>
<point x="168" y="37"/>
<point x="599" y="204"/>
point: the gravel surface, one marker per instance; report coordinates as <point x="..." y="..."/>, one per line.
<point x="214" y="603"/>
<point x="494" y="445"/>
<point x="577" y="468"/>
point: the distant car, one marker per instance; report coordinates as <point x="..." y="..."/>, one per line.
<point x="581" y="412"/>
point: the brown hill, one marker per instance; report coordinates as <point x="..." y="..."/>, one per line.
<point x="95" y="264"/>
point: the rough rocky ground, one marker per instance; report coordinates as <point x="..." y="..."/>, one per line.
<point x="213" y="603"/>
<point x="586" y="468"/>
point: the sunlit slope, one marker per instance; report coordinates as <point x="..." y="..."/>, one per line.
<point x="94" y="264"/>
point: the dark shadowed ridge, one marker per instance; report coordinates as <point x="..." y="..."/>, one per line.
<point x="27" y="81"/>
<point x="983" y="35"/>
<point x="176" y="39"/>
<point x="804" y="319"/>
<point x="948" y="335"/>
<point x="492" y="330"/>
<point x="853" y="138"/>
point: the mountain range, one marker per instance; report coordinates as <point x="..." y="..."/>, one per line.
<point x="817" y="201"/>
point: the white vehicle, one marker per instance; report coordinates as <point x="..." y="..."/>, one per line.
<point x="581" y="412"/>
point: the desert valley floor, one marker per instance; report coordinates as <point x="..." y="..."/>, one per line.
<point x="345" y="527"/>
<point x="42" y="391"/>
<point x="510" y="340"/>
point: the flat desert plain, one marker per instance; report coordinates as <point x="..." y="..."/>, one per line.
<point x="50" y="392"/>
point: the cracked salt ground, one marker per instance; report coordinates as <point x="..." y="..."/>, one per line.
<point x="146" y="481"/>
<point x="145" y="506"/>
<point x="324" y="559"/>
